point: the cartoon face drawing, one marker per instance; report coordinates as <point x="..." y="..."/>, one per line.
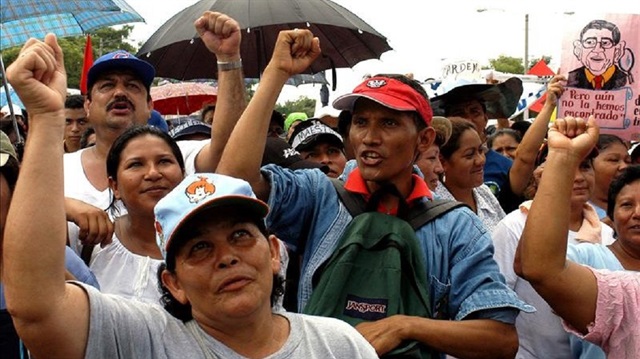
<point x="598" y="51"/>
<point x="199" y="190"/>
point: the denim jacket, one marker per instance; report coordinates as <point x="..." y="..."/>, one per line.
<point x="463" y="277"/>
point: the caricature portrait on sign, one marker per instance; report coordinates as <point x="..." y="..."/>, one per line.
<point x="600" y="50"/>
<point x="599" y="60"/>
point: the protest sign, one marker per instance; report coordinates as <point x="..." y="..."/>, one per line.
<point x="599" y="61"/>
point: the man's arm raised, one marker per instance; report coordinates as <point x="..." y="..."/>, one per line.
<point x="51" y="317"/>
<point x="221" y="35"/>
<point x="294" y="51"/>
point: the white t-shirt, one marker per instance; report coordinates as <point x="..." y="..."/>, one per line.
<point x="124" y="273"/>
<point x="541" y="334"/>
<point x="77" y="185"/>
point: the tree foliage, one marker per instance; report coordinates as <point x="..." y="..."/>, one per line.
<point x="508" y="64"/>
<point x="103" y="41"/>
<point x="513" y="65"/>
<point x="302" y="104"/>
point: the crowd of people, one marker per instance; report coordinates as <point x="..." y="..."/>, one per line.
<point x="125" y="235"/>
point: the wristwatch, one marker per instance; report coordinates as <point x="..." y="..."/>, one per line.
<point x="230" y="65"/>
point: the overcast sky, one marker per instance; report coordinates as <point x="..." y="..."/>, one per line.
<point x="423" y="33"/>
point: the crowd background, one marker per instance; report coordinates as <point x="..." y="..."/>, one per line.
<point x="122" y="181"/>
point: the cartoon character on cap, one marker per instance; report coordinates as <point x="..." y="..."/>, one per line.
<point x="199" y="190"/>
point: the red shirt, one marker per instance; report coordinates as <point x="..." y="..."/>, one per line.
<point x="355" y="183"/>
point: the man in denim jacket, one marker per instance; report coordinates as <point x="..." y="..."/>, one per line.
<point x="473" y="310"/>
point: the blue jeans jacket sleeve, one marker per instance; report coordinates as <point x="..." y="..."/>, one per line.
<point x="76" y="266"/>
<point x="463" y="277"/>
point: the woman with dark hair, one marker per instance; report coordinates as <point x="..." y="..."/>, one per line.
<point x="601" y="306"/>
<point x="612" y="159"/>
<point x="623" y="203"/>
<point x="463" y="161"/>
<point x="143" y="165"/>
<point x="429" y="160"/>
<point x="207" y="228"/>
<point x="586" y="227"/>
<point x="505" y="141"/>
<point x="182" y="311"/>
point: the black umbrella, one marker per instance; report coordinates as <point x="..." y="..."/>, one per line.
<point x="176" y="51"/>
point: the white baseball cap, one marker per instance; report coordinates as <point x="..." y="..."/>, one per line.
<point x="196" y="193"/>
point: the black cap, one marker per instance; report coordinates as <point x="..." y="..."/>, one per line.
<point x="279" y="152"/>
<point x="189" y="126"/>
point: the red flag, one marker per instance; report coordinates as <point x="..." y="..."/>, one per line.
<point x="86" y="65"/>
<point x="540" y="69"/>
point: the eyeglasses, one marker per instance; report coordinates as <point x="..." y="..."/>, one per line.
<point x="591" y="42"/>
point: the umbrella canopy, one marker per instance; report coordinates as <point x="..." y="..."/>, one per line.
<point x="182" y="98"/>
<point x="36" y="18"/>
<point x="15" y="100"/>
<point x="22" y="19"/>
<point x="22" y="9"/>
<point x="177" y="52"/>
<point x="307" y="79"/>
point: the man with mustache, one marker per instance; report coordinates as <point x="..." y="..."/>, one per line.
<point x="599" y="50"/>
<point x="118" y="97"/>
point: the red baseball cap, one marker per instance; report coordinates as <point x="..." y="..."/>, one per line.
<point x="390" y="93"/>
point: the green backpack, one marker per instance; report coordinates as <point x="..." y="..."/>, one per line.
<point x="377" y="269"/>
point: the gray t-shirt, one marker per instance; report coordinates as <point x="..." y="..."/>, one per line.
<point x="120" y="328"/>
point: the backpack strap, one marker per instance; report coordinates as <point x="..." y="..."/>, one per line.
<point x="427" y="212"/>
<point x="354" y="202"/>
<point x="418" y="215"/>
